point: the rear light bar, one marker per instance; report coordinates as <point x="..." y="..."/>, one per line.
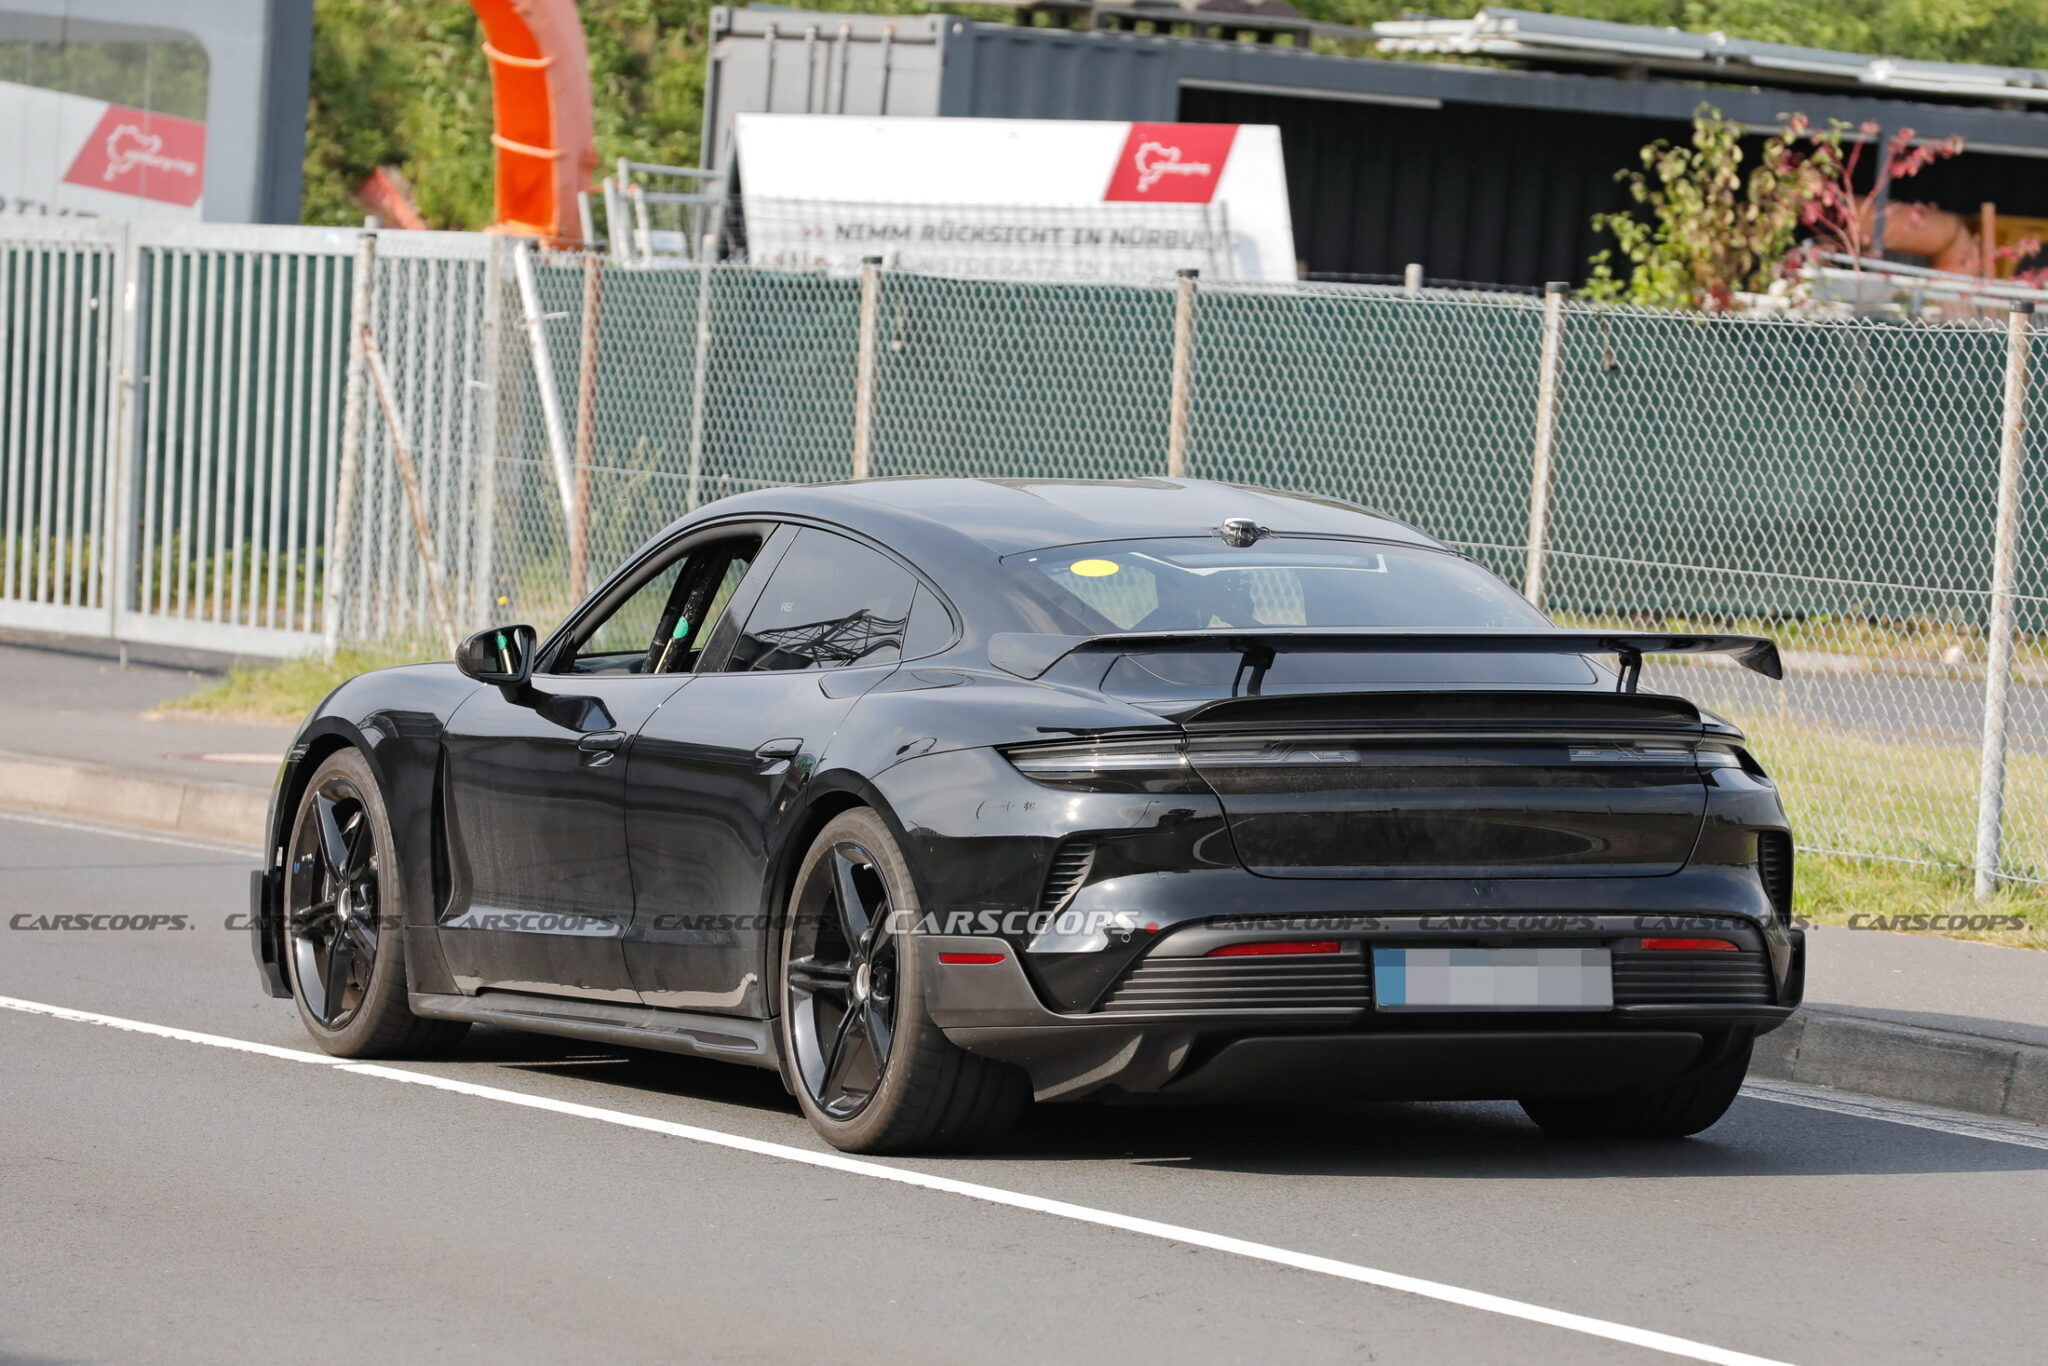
<point x="1148" y="765"/>
<point x="971" y="957"/>
<point x="1072" y="762"/>
<point x="1274" y="947"/>
<point x="1692" y="945"/>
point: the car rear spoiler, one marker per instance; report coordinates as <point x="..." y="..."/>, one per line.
<point x="1030" y="656"/>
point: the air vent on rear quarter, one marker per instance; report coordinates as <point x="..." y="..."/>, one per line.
<point x="1774" y="866"/>
<point x="1070" y="867"/>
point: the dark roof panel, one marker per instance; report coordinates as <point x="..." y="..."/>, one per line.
<point x="1009" y="515"/>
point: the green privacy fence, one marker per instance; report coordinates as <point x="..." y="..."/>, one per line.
<point x="1773" y="468"/>
<point x="1779" y="469"/>
<point x="176" y="458"/>
<point x="1832" y="482"/>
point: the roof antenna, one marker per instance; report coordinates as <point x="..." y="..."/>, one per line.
<point x="1241" y="532"/>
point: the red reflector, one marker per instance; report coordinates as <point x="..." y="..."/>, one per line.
<point x="1690" y="945"/>
<point x="970" y="958"/>
<point x="1274" y="946"/>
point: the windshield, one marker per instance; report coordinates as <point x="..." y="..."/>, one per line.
<point x="1199" y="583"/>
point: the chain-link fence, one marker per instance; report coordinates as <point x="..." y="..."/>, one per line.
<point x="180" y="467"/>
<point x="1831" y="484"/>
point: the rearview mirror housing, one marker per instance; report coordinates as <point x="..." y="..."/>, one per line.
<point x="501" y="655"/>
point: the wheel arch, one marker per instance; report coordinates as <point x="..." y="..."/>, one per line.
<point x="412" y="805"/>
<point x="842" y="793"/>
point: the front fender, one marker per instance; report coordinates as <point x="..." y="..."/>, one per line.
<point x="396" y="719"/>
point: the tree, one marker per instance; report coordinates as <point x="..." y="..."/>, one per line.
<point x="1844" y="222"/>
<point x="404" y="83"/>
<point x="1711" y="229"/>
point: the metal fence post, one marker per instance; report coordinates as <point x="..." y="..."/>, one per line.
<point x="342" y="532"/>
<point x="544" y="380"/>
<point x="1181" y="396"/>
<point x="2004" y="572"/>
<point x="586" y="424"/>
<point x="126" y="357"/>
<point x="864" y="373"/>
<point x="409" y="482"/>
<point x="693" y="491"/>
<point x="484" y="546"/>
<point x="643" y="234"/>
<point x="614" y="220"/>
<point x="1549" y="371"/>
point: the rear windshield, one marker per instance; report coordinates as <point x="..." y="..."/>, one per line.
<point x="1199" y="583"/>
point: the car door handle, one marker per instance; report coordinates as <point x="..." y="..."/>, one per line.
<point x="775" y="751"/>
<point x="601" y="740"/>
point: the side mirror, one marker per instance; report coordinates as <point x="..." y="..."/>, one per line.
<point x="502" y="656"/>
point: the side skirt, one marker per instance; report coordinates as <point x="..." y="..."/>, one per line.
<point x="751" y="1042"/>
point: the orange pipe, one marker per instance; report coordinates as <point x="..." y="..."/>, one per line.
<point x="540" y="89"/>
<point x="1944" y="238"/>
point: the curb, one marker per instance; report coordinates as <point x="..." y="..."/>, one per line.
<point x="221" y="811"/>
<point x="1971" y="1072"/>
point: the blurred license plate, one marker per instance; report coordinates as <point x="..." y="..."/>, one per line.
<point x="1492" y="979"/>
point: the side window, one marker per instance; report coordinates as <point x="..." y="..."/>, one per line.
<point x="931" y="626"/>
<point x="714" y="576"/>
<point x="618" y="644"/>
<point x="661" y="626"/>
<point x="831" y="602"/>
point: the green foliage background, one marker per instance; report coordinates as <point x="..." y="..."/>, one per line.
<point x="403" y="82"/>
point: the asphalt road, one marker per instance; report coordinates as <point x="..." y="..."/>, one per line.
<point x="1877" y="706"/>
<point x="167" y="1197"/>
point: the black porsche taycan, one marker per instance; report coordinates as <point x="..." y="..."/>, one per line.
<point x="942" y="795"/>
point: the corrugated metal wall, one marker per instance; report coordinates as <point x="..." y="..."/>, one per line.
<point x="1473" y="192"/>
<point x="1497" y="183"/>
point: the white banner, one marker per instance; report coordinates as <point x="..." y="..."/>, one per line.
<point x="1021" y="197"/>
<point x="69" y="155"/>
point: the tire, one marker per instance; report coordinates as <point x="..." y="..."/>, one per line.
<point x="1675" y="1110"/>
<point x="356" y="1012"/>
<point x="841" y="989"/>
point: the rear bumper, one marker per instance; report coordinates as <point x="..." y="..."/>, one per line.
<point x="1328" y="1041"/>
<point x="1484" y="1065"/>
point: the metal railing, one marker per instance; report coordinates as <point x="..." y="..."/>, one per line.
<point x="171" y="424"/>
<point x="654" y="213"/>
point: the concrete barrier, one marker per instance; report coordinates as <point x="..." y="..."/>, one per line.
<point x="1970" y="1072"/>
<point x="221" y="811"/>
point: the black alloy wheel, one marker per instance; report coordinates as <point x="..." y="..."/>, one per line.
<point x="332" y="905"/>
<point x="343" y="905"/>
<point x="842" y="981"/>
<point x="869" y="1068"/>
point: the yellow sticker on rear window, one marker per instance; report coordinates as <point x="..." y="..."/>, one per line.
<point x="1094" y="569"/>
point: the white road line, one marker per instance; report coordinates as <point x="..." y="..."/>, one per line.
<point x="2013" y="1131"/>
<point x="992" y="1195"/>
<point x="124" y="833"/>
<point x="166" y="1031"/>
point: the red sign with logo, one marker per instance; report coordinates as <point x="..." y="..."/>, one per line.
<point x="151" y="156"/>
<point x="1171" y="163"/>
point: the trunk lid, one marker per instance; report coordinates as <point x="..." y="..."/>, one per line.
<point x="1490" y="783"/>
